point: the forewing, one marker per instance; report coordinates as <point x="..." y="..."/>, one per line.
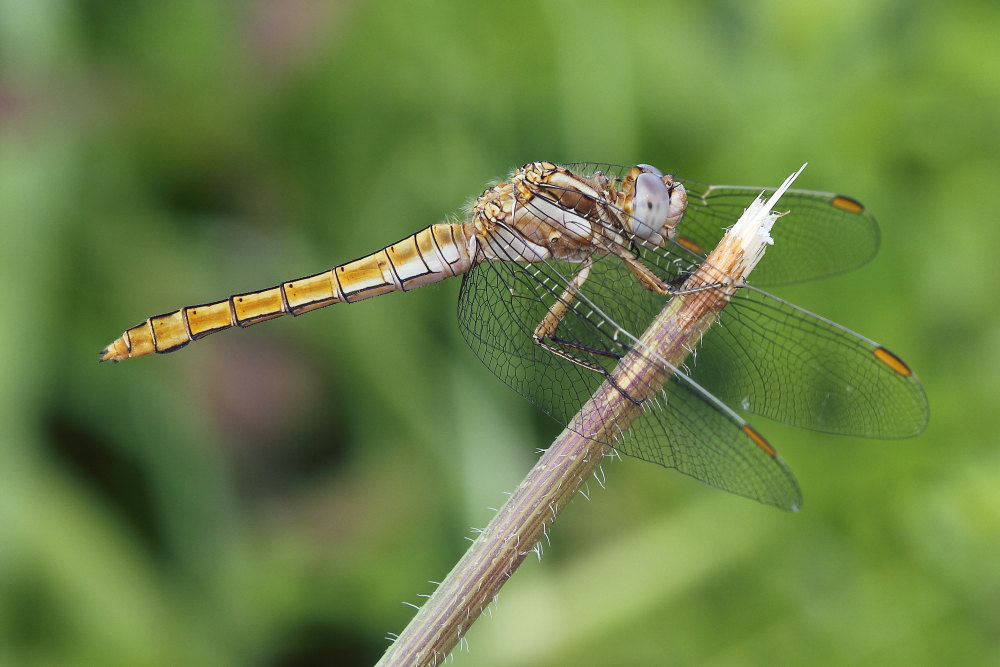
<point x="774" y="359"/>
<point x="823" y="234"/>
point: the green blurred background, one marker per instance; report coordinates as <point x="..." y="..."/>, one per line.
<point x="273" y="496"/>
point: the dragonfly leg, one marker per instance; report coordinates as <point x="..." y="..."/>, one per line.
<point x="652" y="282"/>
<point x="546" y="329"/>
<point x="546" y="338"/>
<point x="646" y="278"/>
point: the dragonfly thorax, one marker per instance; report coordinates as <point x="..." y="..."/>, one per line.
<point x="544" y="212"/>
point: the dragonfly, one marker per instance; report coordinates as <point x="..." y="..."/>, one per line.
<point x="564" y="265"/>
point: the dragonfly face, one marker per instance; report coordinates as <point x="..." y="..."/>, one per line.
<point x="564" y="268"/>
<point x="653" y="204"/>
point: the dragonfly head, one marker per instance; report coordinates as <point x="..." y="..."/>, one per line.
<point x="654" y="204"/>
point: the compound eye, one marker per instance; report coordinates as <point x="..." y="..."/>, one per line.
<point x="652" y="204"/>
<point x="650" y="169"/>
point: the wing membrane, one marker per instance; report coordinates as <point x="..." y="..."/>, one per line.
<point x="777" y="360"/>
<point x="823" y="235"/>
<point x="499" y="307"/>
<point x="768" y="357"/>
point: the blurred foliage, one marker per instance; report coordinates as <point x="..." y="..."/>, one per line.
<point x="271" y="496"/>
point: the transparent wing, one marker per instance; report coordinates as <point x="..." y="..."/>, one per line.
<point x="775" y="359"/>
<point x="824" y="234"/>
<point x="768" y="357"/>
<point x="500" y="305"/>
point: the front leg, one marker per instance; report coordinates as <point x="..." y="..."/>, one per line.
<point x="649" y="280"/>
<point x="645" y="276"/>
